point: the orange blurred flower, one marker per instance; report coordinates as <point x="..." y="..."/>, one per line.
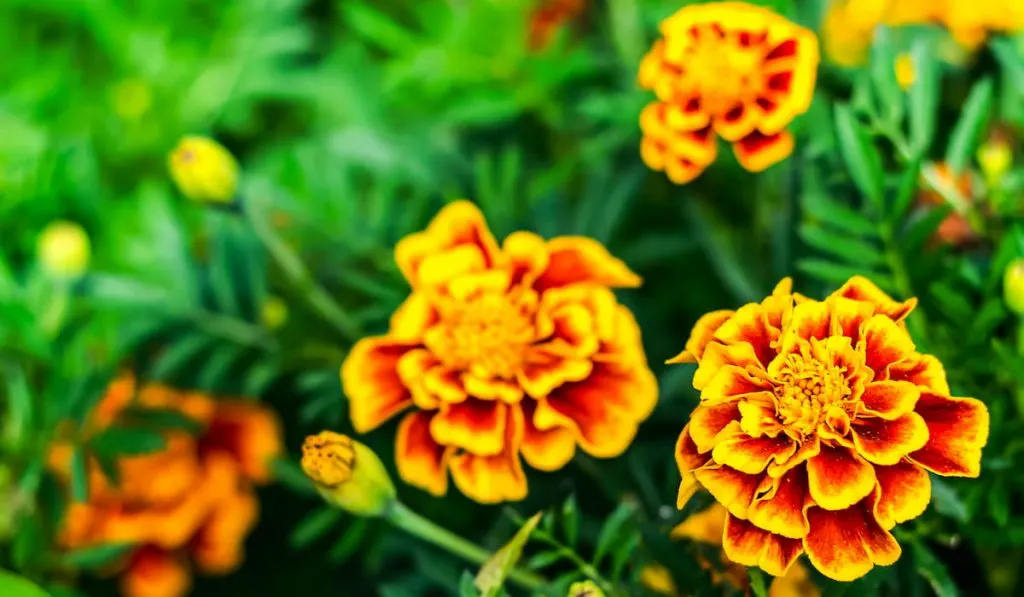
<point x="193" y="501"/>
<point x="725" y="69"/>
<point x="707" y="527"/>
<point x="501" y="351"/>
<point x="817" y="425"/>
<point x="955" y="229"/>
<point x="549" y="16"/>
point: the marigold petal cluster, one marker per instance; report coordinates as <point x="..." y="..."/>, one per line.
<point x="188" y="506"/>
<point x="501" y="352"/>
<point x="817" y="426"/>
<point x="724" y="69"/>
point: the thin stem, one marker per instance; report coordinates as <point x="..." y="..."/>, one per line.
<point x="418" y="526"/>
<point x="586" y="568"/>
<point x="298" y="275"/>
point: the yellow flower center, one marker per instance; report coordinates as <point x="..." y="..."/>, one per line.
<point x="806" y="388"/>
<point x="487" y="335"/>
<point x="328" y="458"/>
<point x="723" y="72"/>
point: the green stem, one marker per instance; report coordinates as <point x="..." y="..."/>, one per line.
<point x="298" y="275"/>
<point x="418" y="526"/>
<point x="586" y="568"/>
<point x="917" y="322"/>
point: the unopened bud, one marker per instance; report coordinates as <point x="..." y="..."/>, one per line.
<point x="995" y="158"/>
<point x="1013" y="286"/>
<point x="204" y="170"/>
<point x="586" y="588"/>
<point x="274" y="312"/>
<point x="347" y="474"/>
<point x="63" y="249"/>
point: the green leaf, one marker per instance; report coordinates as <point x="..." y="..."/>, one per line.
<point x="570" y="520"/>
<point x="974" y="115"/>
<point x="933" y="571"/>
<point x="544" y="559"/>
<point x="127" y="441"/>
<point x="906" y="192"/>
<point x="924" y="96"/>
<point x="160" y="419"/>
<point x="90" y="558"/>
<point x="79" y="476"/>
<point x="290" y="474"/>
<point x="835" y="273"/>
<point x="757" y="582"/>
<point x="613" y="529"/>
<point x="179" y="354"/>
<point x="947" y="501"/>
<point x="851" y="250"/>
<point x="314" y="526"/>
<point x="466" y="588"/>
<point x="861" y="158"/>
<point x="350" y="541"/>
<point x="999" y="503"/>
<point x="492" y="574"/>
<point x="12" y="585"/>
<point x="625" y="19"/>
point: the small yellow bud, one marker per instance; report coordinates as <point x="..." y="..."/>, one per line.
<point x="63" y="249"/>
<point x="995" y="158"/>
<point x="1013" y="286"/>
<point x="905" y="73"/>
<point x="204" y="170"/>
<point x="274" y="312"/>
<point x="658" y="579"/>
<point x="586" y="588"/>
<point x="132" y="98"/>
<point x="347" y="474"/>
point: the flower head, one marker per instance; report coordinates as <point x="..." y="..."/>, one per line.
<point x="817" y="426"/>
<point x="190" y="505"/>
<point x="501" y="351"/>
<point x="730" y="70"/>
<point x="63" y="249"/>
<point x="347" y="473"/>
<point x="204" y="170"/>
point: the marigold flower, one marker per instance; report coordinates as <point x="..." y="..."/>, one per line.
<point x="191" y="504"/>
<point x="817" y="426"/>
<point x="955" y="229"/>
<point x="1013" y="286"/>
<point x="347" y="474"/>
<point x="501" y="351"/>
<point x="63" y="249"/>
<point x="730" y="70"/>
<point x="204" y="170"/>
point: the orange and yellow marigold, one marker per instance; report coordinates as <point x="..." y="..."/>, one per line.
<point x="501" y="351"/>
<point x="190" y="505"/>
<point x="730" y="70"/>
<point x="817" y="426"/>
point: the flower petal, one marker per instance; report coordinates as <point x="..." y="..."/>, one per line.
<point x="810" y="320"/>
<point x="839" y="478"/>
<point x="781" y="510"/>
<point x="886" y="442"/>
<point x="706" y="526"/>
<point x="732" y="489"/>
<point x="544" y="372"/>
<point x="412" y="318"/>
<point x="845" y="544"/>
<point x="420" y="460"/>
<point x="153" y="571"/>
<point x="716" y="356"/>
<point x="848" y="316"/>
<point x="459" y="224"/>
<point x="905" y="490"/>
<point x="957" y="431"/>
<point x="749" y="454"/>
<point x="749" y="545"/>
<point x="688" y="457"/>
<point x="492" y="389"/>
<point x="477" y="426"/>
<point x="497" y="478"/>
<point x="701" y="336"/>
<point x="860" y="288"/>
<point x="890" y="399"/>
<point x="923" y="370"/>
<point x="709" y="419"/>
<point x="575" y="259"/>
<point x="750" y="326"/>
<point x="757" y="151"/>
<point x="369" y="376"/>
<point x="528" y="256"/>
<point x="248" y="431"/>
<point x="548" y="449"/>
<point x="884" y="343"/>
<point x="808" y="448"/>
<point x="412" y="368"/>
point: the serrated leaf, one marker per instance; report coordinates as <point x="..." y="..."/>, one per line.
<point x="613" y="529"/>
<point x="90" y="558"/>
<point x="861" y="158"/>
<point x="974" y="115"/>
<point x="12" y="585"/>
<point x="127" y="441"/>
<point x="933" y="571"/>
<point x="851" y="250"/>
<point x="314" y="526"/>
<point x="906" y="191"/>
<point x="492" y="574"/>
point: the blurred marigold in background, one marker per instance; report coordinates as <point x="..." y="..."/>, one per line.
<point x="193" y="501"/>
<point x="725" y="69"/>
<point x="549" y="16"/>
<point x="707" y="527"/>
<point x="955" y="229"/>
<point x="204" y="170"/>
<point x="63" y="249"/>
<point x="849" y="25"/>
<point x="817" y="426"/>
<point x="501" y="351"/>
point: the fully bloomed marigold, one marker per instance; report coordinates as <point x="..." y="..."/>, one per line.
<point x="500" y="352"/>
<point x="817" y="426"/>
<point x="188" y="506"/>
<point x="726" y="69"/>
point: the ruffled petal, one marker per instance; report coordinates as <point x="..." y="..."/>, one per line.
<point x="421" y="461"/>
<point x="370" y="378"/>
<point x="811" y="320"/>
<point x="701" y="335"/>
<point x="576" y="259"/>
<point x="957" y="431"/>
<point x="459" y="233"/>
<point x="757" y="152"/>
<point x="884" y="343"/>
<point x="923" y="370"/>
<point x="543" y="372"/>
<point x="492" y="389"/>
<point x="412" y="368"/>
<point x="860" y="288"/>
<point x="477" y="426"/>
<point x="528" y="256"/>
<point x="890" y="399"/>
<point x="548" y="449"/>
<point x="885" y="442"/>
<point x="749" y="545"/>
<point x="731" y="382"/>
<point x="706" y="526"/>
<point x="412" y="318"/>
<point x="498" y="478"/>
<point x="709" y="419"/>
<point x="845" y="544"/>
<point x="808" y="448"/>
<point x="716" y="356"/>
<point x="248" y="431"/>
<point x="732" y="489"/>
<point x="751" y="455"/>
<point x="781" y="510"/>
<point x="688" y="457"/>
<point x="839" y="478"/>
<point x="152" y="572"/>
<point x="905" y="490"/>
<point x="749" y="325"/>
